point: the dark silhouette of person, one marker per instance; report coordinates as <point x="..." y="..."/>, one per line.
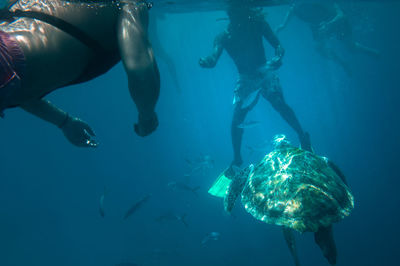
<point x="243" y="41"/>
<point x="327" y="20"/>
<point x="159" y="49"/>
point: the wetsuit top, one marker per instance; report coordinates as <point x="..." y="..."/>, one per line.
<point x="103" y="59"/>
<point x="244" y="44"/>
<point x="315" y="13"/>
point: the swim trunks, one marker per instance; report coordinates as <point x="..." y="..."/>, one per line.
<point x="249" y="88"/>
<point x="12" y="64"/>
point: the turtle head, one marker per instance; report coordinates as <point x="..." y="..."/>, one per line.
<point x="280" y="141"/>
<point x="236" y="187"/>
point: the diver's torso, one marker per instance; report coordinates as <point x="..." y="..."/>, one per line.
<point x="60" y="57"/>
<point x="245" y="46"/>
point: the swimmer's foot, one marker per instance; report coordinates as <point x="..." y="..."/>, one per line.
<point x="305" y="142"/>
<point x="233" y="168"/>
<point x="238" y="161"/>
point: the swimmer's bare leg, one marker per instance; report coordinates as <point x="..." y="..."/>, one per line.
<point x="291" y="242"/>
<point x="358" y="47"/>
<point x="239" y="116"/>
<point x="164" y="56"/>
<point x="324" y="239"/>
<point x="140" y="64"/>
<point x="172" y="70"/>
<point x="75" y="130"/>
<point x="279" y="104"/>
<point x="331" y="55"/>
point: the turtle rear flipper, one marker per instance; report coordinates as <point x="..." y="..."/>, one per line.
<point x="324" y="239"/>
<point x="291" y="243"/>
<point x="236" y="187"/>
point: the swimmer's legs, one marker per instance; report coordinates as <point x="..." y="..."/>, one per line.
<point x="278" y="103"/>
<point x="239" y="116"/>
<point x="358" y="47"/>
<point x="331" y="55"/>
<point x="291" y="242"/>
<point x="324" y="239"/>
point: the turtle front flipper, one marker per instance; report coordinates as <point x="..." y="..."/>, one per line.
<point x="236" y="187"/>
<point x="337" y="171"/>
<point x="291" y="242"/>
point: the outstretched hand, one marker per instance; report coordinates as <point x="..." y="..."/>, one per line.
<point x="274" y="63"/>
<point x="279" y="29"/>
<point x="146" y="126"/>
<point x="206" y="62"/>
<point x="325" y="28"/>
<point x="79" y="133"/>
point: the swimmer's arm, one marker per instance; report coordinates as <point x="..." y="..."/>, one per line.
<point x="46" y="111"/>
<point x="270" y="36"/>
<point x="286" y="20"/>
<point x="74" y="129"/>
<point x="339" y="14"/>
<point x="140" y="65"/>
<point x="211" y="60"/>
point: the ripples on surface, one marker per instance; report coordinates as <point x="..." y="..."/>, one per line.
<point x="186" y="6"/>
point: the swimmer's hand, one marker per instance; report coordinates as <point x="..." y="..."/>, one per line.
<point x="78" y="132"/>
<point x="324" y="28"/>
<point x="146" y="125"/>
<point x="279" y="29"/>
<point x="274" y="63"/>
<point x="207" y="62"/>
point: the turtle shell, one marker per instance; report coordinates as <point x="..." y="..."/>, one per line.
<point x="297" y="189"/>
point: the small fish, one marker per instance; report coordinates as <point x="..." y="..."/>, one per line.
<point x="250" y="124"/>
<point x="211" y="236"/>
<point x="136" y="206"/>
<point x="182" y="186"/>
<point x="170" y="216"/>
<point x="101" y="203"/>
<point x="201" y="164"/>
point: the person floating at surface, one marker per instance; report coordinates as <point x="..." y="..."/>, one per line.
<point x="243" y="40"/>
<point x="326" y="20"/>
<point x="49" y="44"/>
<point x="159" y="49"/>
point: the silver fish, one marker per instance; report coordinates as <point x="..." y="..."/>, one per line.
<point x="211" y="236"/>
<point x="101" y="203"/>
<point x="136" y="206"/>
<point x="170" y="216"/>
<point x="182" y="186"/>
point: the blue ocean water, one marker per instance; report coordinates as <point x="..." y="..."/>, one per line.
<point x="50" y="190"/>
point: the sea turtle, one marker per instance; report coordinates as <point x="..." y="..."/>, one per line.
<point x="293" y="188"/>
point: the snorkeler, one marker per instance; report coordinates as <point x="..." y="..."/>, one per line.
<point x="159" y="49"/>
<point x="243" y="40"/>
<point x="326" y="20"/>
<point x="50" y="44"/>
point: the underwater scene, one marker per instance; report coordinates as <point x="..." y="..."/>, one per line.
<point x="208" y="132"/>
